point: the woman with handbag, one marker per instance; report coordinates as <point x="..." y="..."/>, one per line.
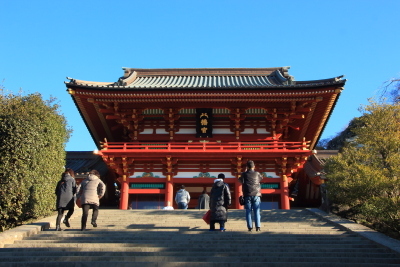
<point x="90" y="191"/>
<point x="65" y="191"/>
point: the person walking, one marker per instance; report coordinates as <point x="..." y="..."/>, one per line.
<point x="203" y="201"/>
<point x="182" y="198"/>
<point x="65" y="191"/>
<point x="91" y="190"/>
<point x="220" y="199"/>
<point x="252" y="195"/>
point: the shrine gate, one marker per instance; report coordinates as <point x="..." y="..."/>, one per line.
<point x="160" y="128"/>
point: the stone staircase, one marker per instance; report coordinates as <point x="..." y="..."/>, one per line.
<point x="181" y="238"/>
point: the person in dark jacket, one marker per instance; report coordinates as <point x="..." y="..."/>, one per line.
<point x="252" y="195"/>
<point x="65" y="191"/>
<point x="203" y="201"/>
<point x="220" y="199"/>
<point x="90" y="191"/>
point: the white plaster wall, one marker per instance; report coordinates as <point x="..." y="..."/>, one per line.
<point x="262" y="131"/>
<point x="147" y="131"/>
<point x="186" y="131"/>
<point x="191" y="174"/>
<point x="154" y="173"/>
<point x="161" y="131"/>
<point x="222" y="131"/>
<point x="248" y="131"/>
<point x="272" y="175"/>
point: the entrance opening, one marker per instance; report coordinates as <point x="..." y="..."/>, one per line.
<point x="146" y="201"/>
<point x="270" y="202"/>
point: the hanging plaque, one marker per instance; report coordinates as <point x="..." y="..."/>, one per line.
<point x="204" y="122"/>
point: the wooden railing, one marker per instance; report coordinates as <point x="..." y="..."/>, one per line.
<point x="205" y="146"/>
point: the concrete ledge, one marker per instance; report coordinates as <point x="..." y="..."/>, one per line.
<point x="27" y="230"/>
<point x="359" y="229"/>
<point x="19" y="232"/>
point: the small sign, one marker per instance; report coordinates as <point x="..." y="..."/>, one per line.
<point x="270" y="186"/>
<point x="146" y="186"/>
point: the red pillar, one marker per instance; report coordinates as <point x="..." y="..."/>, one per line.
<point x="285" y="194"/>
<point x="169" y="197"/>
<point x="238" y="193"/>
<point x="123" y="203"/>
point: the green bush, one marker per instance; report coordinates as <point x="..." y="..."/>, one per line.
<point x="363" y="180"/>
<point x="32" y="156"/>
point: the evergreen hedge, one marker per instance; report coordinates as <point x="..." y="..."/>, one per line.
<point x="33" y="135"/>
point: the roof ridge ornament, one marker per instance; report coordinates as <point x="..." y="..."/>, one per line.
<point x="71" y="80"/>
<point x="120" y="82"/>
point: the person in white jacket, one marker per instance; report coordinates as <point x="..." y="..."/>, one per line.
<point x="182" y="198"/>
<point x="90" y="191"/>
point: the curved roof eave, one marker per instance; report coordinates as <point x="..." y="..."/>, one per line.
<point x="271" y="87"/>
<point x="213" y="78"/>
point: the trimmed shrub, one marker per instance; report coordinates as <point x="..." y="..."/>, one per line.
<point x="32" y="156"/>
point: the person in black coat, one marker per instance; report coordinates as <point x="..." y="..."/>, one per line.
<point x="220" y="199"/>
<point x="251" y="189"/>
<point x="65" y="191"/>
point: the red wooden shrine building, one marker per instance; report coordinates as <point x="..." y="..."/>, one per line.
<point x="157" y="129"/>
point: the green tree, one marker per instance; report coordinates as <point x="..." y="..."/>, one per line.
<point x="33" y="134"/>
<point x="364" y="178"/>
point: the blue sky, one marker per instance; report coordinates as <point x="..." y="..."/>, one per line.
<point x="42" y="42"/>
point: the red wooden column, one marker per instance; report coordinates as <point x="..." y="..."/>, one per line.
<point x="123" y="203"/>
<point x="285" y="194"/>
<point x="238" y="185"/>
<point x="169" y="186"/>
<point x="169" y="162"/>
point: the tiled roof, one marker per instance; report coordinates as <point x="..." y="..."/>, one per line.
<point x="206" y="78"/>
<point x="220" y="81"/>
<point x="85" y="161"/>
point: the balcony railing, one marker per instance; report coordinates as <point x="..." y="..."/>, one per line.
<point x="205" y="146"/>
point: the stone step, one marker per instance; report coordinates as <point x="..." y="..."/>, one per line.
<point x="191" y="264"/>
<point x="284" y="249"/>
<point x="4" y="256"/>
<point x="189" y="244"/>
<point x="283" y="232"/>
<point x="209" y="258"/>
<point x="163" y="236"/>
<point x="216" y="237"/>
<point x="167" y="243"/>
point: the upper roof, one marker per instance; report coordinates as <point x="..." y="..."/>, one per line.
<point x="229" y="78"/>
